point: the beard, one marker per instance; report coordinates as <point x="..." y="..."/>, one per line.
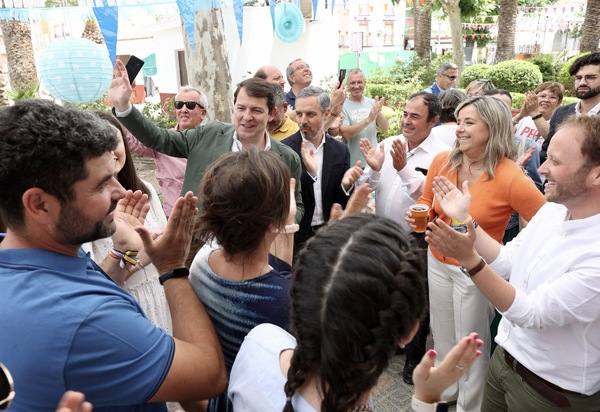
<point x="74" y="228"/>
<point x="588" y="94"/>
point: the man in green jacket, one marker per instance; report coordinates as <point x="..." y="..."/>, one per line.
<point x="254" y="103"/>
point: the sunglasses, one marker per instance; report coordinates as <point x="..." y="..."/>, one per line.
<point x="190" y="105"/>
<point x="451" y="77"/>
<point x="7" y="388"/>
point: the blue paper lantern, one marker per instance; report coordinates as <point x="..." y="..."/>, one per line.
<point x="289" y="22"/>
<point x="75" y="70"/>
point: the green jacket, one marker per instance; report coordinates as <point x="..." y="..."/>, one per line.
<point x="202" y="146"/>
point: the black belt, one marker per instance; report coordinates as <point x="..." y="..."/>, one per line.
<point x="548" y="390"/>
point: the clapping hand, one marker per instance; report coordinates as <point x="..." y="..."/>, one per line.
<point x="376" y="109"/>
<point x="308" y="158"/>
<point x="430" y="381"/>
<point x="120" y="89"/>
<point x="357" y="202"/>
<point x="351" y="175"/>
<point x="525" y="157"/>
<point x="169" y="250"/>
<point x="454" y="203"/>
<point x="374" y="156"/>
<point x="130" y="212"/>
<point x="73" y="402"/>
<point x="530" y="104"/>
<point x="398" y="153"/>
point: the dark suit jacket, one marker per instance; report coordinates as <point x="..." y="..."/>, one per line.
<point x="336" y="160"/>
<point x="559" y="116"/>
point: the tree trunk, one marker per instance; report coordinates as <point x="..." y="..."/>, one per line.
<point x="423" y="31"/>
<point x="452" y="9"/>
<point x="507" y="23"/>
<point x="591" y="27"/>
<point x="208" y="65"/>
<point x="3" y="101"/>
<point x="19" y="54"/>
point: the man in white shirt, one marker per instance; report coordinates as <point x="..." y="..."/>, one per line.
<point x="399" y="180"/>
<point x="545" y="283"/>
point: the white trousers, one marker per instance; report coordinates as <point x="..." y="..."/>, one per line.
<point x="457" y="308"/>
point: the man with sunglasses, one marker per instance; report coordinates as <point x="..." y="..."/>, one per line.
<point x="445" y="79"/>
<point x="190" y="111"/>
<point x="254" y="105"/>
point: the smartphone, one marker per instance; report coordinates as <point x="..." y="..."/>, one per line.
<point x="341" y="77"/>
<point x="133" y="67"/>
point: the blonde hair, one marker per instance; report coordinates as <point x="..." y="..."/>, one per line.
<point x="500" y="142"/>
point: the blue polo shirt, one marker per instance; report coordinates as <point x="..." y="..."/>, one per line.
<point x="290" y="98"/>
<point x="65" y="325"/>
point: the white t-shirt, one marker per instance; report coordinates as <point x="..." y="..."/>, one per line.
<point x="526" y="130"/>
<point x="444" y="133"/>
<point x="256" y="382"/>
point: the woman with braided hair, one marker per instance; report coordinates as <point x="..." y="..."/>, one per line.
<point x="356" y="295"/>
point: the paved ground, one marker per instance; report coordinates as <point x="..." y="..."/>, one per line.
<point x="391" y="393"/>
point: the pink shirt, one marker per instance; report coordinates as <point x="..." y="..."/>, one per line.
<point x="169" y="171"/>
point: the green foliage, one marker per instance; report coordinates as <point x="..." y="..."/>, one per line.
<point x="24" y="93"/>
<point x="427" y="76"/>
<point x="155" y="112"/>
<point x="60" y="3"/>
<point x="515" y="75"/>
<point x="517" y="100"/>
<point x="97" y="106"/>
<point x="545" y="62"/>
<point x="565" y="78"/>
<point x="474" y="72"/>
<point x="569" y="100"/>
<point x="395" y="95"/>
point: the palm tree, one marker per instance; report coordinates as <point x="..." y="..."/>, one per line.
<point x="19" y="54"/>
<point x="507" y="24"/>
<point x="591" y="29"/>
<point x="207" y="63"/>
<point x="422" y="13"/>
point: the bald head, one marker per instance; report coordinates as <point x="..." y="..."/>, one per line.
<point x="271" y="74"/>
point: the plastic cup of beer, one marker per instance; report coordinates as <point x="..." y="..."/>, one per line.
<point x="420" y="213"/>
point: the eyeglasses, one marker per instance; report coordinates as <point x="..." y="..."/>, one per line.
<point x="451" y="77"/>
<point x="588" y="78"/>
<point x="190" y="105"/>
<point x="7" y="387"/>
<point x="301" y="67"/>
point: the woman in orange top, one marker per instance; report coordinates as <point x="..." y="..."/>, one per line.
<point x="482" y="156"/>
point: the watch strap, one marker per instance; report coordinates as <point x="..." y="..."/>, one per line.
<point x="473" y="271"/>
<point x="175" y="273"/>
<point x="537" y="116"/>
<point x="420" y="406"/>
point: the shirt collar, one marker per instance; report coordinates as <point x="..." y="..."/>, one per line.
<point x="424" y="146"/>
<point x="595" y="110"/>
<point x="237" y="144"/>
<point x="308" y="141"/>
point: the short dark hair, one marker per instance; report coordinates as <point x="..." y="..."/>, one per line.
<point x="431" y="101"/>
<point x="590" y="126"/>
<point x="256" y="87"/>
<point x="449" y="101"/>
<point x="242" y="194"/>
<point x="45" y="145"/>
<point x="260" y="73"/>
<point x="495" y="92"/>
<point x="357" y="291"/>
<point x="127" y="176"/>
<point x="592" y="59"/>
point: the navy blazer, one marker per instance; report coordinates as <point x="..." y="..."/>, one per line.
<point x="559" y="116"/>
<point x="336" y="160"/>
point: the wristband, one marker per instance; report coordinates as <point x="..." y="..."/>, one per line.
<point x="537" y="116"/>
<point x="129" y="257"/>
<point x="176" y="273"/>
<point x="293" y="228"/>
<point x="472" y="272"/>
<point x="420" y="406"/>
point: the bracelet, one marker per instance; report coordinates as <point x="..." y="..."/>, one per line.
<point x="127" y="257"/>
<point x="537" y="116"/>
<point x="293" y="228"/>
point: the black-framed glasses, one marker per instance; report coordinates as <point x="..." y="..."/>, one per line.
<point x="190" y="105"/>
<point x="7" y="387"/>
<point x="451" y="77"/>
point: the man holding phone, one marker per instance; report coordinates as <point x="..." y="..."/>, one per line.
<point x="362" y="116"/>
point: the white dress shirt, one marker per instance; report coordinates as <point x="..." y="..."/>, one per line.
<point x="396" y="191"/>
<point x="237" y="146"/>
<point x="553" y="325"/>
<point x="317" y="218"/>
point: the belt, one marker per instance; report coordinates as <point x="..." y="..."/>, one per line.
<point x="553" y="393"/>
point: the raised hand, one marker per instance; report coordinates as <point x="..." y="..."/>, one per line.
<point x="460" y="246"/>
<point x="431" y="381"/>
<point x="376" y="109"/>
<point x="374" y="156"/>
<point x="454" y="202"/>
<point x="530" y="104"/>
<point x="525" y="157"/>
<point x="357" y="202"/>
<point x="308" y="158"/>
<point x="169" y="250"/>
<point x="351" y="175"/>
<point x="130" y="212"/>
<point x="73" y="402"/>
<point x="398" y="153"/>
<point x="120" y="89"/>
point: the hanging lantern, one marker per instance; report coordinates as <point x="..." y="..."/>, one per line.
<point x="289" y="22"/>
<point x="75" y="70"/>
